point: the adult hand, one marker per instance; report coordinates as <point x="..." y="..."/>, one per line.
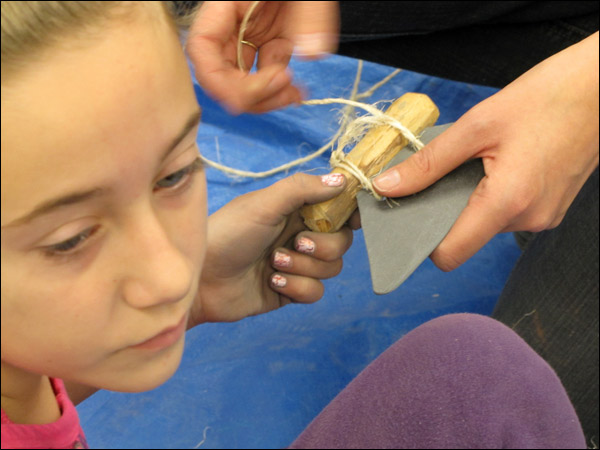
<point x="538" y="139"/>
<point x="260" y="257"/>
<point x="276" y="28"/>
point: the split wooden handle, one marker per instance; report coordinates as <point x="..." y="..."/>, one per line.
<point x="416" y="112"/>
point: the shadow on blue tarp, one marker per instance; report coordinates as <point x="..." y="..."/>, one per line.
<point x="257" y="383"/>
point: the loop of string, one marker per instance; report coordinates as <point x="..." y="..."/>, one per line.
<point x="349" y="130"/>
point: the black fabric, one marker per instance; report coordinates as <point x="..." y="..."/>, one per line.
<point x="551" y="300"/>
<point x="372" y="18"/>
<point x="488" y="43"/>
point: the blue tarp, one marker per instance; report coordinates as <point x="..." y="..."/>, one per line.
<point x="258" y="382"/>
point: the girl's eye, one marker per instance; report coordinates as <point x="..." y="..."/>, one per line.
<point x="68" y="246"/>
<point x="72" y="245"/>
<point x="176" y="178"/>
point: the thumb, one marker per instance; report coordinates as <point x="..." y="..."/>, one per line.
<point x="442" y="155"/>
<point x="314" y="27"/>
<point x="291" y="193"/>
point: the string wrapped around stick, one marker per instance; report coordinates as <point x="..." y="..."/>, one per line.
<point x="387" y="133"/>
<point x="381" y="143"/>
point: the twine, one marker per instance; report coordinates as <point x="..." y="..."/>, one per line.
<point x="240" y="41"/>
<point x="349" y="130"/>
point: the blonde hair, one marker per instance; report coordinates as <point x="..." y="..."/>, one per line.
<point x="31" y="28"/>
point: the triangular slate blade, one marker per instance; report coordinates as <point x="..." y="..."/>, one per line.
<point x="399" y="238"/>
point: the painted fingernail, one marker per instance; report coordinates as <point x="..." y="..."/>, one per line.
<point x="278" y="281"/>
<point x="282" y="259"/>
<point x="333" y="179"/>
<point x="387" y="180"/>
<point x="305" y="245"/>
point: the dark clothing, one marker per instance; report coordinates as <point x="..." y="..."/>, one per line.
<point x="551" y="300"/>
<point x="488" y="43"/>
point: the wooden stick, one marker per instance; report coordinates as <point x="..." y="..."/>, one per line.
<point x="416" y="112"/>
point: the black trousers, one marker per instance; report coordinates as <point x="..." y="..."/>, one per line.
<point x="551" y="298"/>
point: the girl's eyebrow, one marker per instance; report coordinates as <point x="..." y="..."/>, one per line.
<point x="192" y="122"/>
<point x="51" y="205"/>
<point x="79" y="197"/>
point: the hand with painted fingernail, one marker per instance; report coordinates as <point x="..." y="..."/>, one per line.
<point x="313" y="257"/>
<point x="260" y="256"/>
<point x="274" y="31"/>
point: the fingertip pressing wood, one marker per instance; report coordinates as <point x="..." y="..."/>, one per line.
<point x="416" y="112"/>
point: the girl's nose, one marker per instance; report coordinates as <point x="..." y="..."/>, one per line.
<point x="158" y="271"/>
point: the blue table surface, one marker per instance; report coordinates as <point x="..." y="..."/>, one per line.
<point x="257" y="383"/>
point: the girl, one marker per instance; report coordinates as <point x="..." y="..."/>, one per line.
<point x="107" y="252"/>
<point x="108" y="256"/>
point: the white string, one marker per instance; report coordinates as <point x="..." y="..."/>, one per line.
<point x="243" y="27"/>
<point x="347" y="132"/>
<point x="346" y="115"/>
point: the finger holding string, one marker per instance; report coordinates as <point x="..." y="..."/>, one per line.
<point x="275" y="53"/>
<point x="272" y="57"/>
<point x="212" y="46"/>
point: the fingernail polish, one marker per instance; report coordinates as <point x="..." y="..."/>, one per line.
<point x="333" y="179"/>
<point x="278" y="281"/>
<point x="305" y="245"/>
<point x="282" y="259"/>
<point x="387" y="180"/>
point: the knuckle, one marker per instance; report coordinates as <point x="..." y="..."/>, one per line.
<point x="301" y="180"/>
<point x="520" y="200"/>
<point x="336" y="268"/>
<point x="424" y="160"/>
<point x="517" y="205"/>
<point x="297" y="182"/>
<point x="481" y="119"/>
<point x="482" y="123"/>
<point x="445" y="261"/>
<point x="349" y="238"/>
<point x="557" y="220"/>
<point x="539" y="222"/>
<point x="318" y="289"/>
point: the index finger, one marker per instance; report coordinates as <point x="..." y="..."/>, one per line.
<point x="462" y="141"/>
<point x="483" y="218"/>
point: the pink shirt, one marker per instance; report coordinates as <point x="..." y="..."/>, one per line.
<point x="66" y="432"/>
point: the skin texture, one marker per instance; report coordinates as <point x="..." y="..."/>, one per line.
<point x="85" y="282"/>
<point x="538" y="137"/>
<point x="277" y="29"/>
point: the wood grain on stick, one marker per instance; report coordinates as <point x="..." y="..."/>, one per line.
<point x="416" y="112"/>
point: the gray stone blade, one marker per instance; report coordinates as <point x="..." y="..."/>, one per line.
<point x="400" y="238"/>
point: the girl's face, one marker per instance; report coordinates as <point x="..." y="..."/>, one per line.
<point x="103" y="209"/>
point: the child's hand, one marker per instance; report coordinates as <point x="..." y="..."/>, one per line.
<point x="257" y="262"/>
